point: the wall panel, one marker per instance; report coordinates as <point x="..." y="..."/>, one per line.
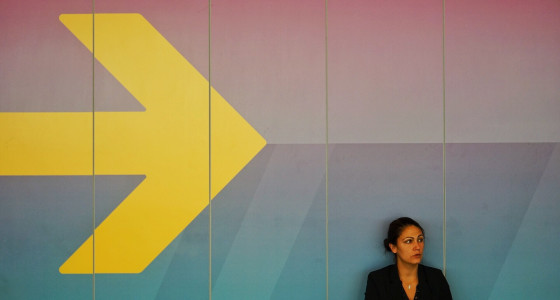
<point x="502" y="122"/>
<point x="268" y="224"/>
<point x="385" y="133"/>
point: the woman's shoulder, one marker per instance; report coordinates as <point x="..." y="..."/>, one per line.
<point x="433" y="276"/>
<point x="383" y="270"/>
<point x="383" y="273"/>
<point x="431" y="270"/>
<point x="436" y="282"/>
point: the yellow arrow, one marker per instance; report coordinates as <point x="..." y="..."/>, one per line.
<point x="169" y="142"/>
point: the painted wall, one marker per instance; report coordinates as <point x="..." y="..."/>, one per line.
<point x="307" y="147"/>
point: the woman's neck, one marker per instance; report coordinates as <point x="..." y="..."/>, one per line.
<point x="407" y="272"/>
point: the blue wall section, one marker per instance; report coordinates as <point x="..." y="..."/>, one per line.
<point x="490" y="188"/>
<point x="369" y="186"/>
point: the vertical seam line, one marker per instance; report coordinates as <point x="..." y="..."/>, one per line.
<point x="444" y="147"/>
<point x="326" y="150"/>
<point x="209" y="150"/>
<point x="93" y="143"/>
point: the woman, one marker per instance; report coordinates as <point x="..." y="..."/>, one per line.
<point x="407" y="278"/>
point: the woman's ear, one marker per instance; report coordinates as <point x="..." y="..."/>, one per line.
<point x="393" y="248"/>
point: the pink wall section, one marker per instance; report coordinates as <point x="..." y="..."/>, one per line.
<point x="502" y="71"/>
<point x="385" y="71"/>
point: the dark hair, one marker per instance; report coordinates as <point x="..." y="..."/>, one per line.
<point x="396" y="228"/>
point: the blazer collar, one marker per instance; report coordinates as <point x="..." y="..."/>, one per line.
<point x="396" y="284"/>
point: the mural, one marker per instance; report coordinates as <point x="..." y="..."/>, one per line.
<point x="258" y="149"/>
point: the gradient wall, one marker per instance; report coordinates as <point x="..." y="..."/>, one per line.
<point x="448" y="112"/>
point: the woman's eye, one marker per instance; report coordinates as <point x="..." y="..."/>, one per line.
<point x="408" y="241"/>
<point x="420" y="240"/>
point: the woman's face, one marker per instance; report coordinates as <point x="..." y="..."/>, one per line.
<point x="410" y="245"/>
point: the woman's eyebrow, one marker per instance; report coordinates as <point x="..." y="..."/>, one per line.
<point x="411" y="237"/>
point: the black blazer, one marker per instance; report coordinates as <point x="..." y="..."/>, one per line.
<point x="385" y="284"/>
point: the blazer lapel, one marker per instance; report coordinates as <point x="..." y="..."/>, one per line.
<point x="395" y="285"/>
<point x="425" y="290"/>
